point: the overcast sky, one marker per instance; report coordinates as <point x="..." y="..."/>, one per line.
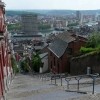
<point x="52" y="4"/>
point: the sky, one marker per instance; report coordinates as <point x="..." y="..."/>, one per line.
<point x="52" y="4"/>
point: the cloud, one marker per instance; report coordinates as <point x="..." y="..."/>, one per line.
<point x="52" y="4"/>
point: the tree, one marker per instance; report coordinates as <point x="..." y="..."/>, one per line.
<point x="93" y="41"/>
<point x="44" y="26"/>
<point x="25" y="65"/>
<point x="72" y="24"/>
<point x="15" y="26"/>
<point x="93" y="44"/>
<point x="36" y="62"/>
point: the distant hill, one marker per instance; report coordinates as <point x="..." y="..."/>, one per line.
<point x="60" y="12"/>
<point x="68" y="12"/>
<point x="90" y="11"/>
<point x="16" y="12"/>
<point x="49" y="12"/>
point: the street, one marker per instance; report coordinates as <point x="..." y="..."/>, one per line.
<point x="26" y="87"/>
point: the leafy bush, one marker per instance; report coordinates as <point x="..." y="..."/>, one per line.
<point x="24" y="66"/>
<point x="93" y="44"/>
<point x="36" y="63"/>
<point x="93" y="41"/>
<point x="86" y="50"/>
<point x="98" y="47"/>
<point x="14" y="65"/>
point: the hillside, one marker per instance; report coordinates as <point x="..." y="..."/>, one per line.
<point x="16" y="12"/>
<point x="49" y="12"/>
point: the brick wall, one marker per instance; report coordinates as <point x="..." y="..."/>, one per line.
<point x="4" y="59"/>
<point x="79" y="65"/>
<point x="61" y="64"/>
<point x="2" y="24"/>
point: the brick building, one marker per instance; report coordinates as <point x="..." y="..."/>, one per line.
<point x="5" y="62"/>
<point x="61" y="50"/>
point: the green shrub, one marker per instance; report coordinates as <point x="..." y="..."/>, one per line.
<point x="36" y="63"/>
<point x="14" y="65"/>
<point x="93" y="44"/>
<point x="86" y="50"/>
<point x="98" y="47"/>
<point x="93" y="40"/>
<point x="24" y="66"/>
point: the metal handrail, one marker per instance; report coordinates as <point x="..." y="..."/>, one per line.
<point x="79" y="77"/>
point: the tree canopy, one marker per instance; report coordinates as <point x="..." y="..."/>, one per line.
<point x="93" y="44"/>
<point x="15" y="26"/>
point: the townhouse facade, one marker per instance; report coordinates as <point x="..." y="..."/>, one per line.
<point x="5" y="54"/>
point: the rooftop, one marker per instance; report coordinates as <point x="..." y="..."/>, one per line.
<point x="23" y="35"/>
<point x="66" y="37"/>
<point x="60" y="43"/>
<point x="58" y="47"/>
<point x="43" y="55"/>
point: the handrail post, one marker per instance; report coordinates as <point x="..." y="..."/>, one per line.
<point x="78" y="79"/>
<point x="61" y="81"/>
<point x="93" y="84"/>
<point x="55" y="80"/>
<point x="51" y="79"/>
<point x="67" y="80"/>
<point x="94" y="76"/>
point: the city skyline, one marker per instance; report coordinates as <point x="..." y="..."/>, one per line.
<point x="52" y="4"/>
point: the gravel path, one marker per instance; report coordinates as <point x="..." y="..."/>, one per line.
<point x="26" y="87"/>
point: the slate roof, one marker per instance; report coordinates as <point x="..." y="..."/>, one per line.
<point x="66" y="37"/>
<point x="40" y="47"/>
<point x="43" y="55"/>
<point x="58" y="47"/>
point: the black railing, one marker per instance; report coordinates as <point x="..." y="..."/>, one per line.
<point x="58" y="76"/>
<point x="78" y="78"/>
<point x="54" y="77"/>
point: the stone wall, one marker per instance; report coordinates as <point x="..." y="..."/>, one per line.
<point x="78" y="65"/>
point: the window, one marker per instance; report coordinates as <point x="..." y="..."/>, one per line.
<point x="58" y="67"/>
<point x="61" y="58"/>
<point x="51" y="64"/>
<point x="50" y="53"/>
<point x="54" y="61"/>
<point x="69" y="50"/>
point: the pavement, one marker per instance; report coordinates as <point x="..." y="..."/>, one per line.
<point x="27" y="87"/>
